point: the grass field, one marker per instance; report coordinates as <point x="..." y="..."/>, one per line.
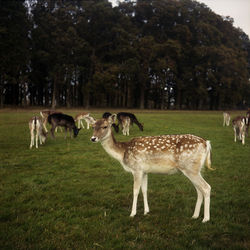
<point x="69" y="194"/>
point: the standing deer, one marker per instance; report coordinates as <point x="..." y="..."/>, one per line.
<point x="226" y="119"/>
<point x="240" y="128"/>
<point x="164" y="154"/>
<point x="125" y="120"/>
<point x="36" y="129"/>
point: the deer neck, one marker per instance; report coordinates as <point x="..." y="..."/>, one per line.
<point x="113" y="148"/>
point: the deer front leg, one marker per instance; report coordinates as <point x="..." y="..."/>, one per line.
<point x="137" y="185"/>
<point x="81" y="124"/>
<point x="144" y="188"/>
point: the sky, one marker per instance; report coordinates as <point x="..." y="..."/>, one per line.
<point x="239" y="10"/>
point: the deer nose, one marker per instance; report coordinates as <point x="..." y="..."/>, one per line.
<point x="93" y="139"/>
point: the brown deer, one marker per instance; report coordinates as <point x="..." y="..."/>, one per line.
<point x="36" y="129"/>
<point x="164" y="154"/>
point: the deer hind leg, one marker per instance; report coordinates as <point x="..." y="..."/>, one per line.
<point x="31" y="139"/>
<point x="144" y="188"/>
<point x="137" y="185"/>
<point x="204" y="189"/>
<point x="198" y="204"/>
<point x="36" y="139"/>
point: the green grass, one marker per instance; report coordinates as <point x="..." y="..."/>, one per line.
<point x="69" y="194"/>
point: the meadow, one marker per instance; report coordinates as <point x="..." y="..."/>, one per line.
<point x="69" y="194"/>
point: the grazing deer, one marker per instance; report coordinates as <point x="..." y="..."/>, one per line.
<point x="240" y="128"/>
<point x="44" y="114"/>
<point x="36" y="128"/>
<point x="125" y="120"/>
<point x="80" y="117"/>
<point x="164" y="154"/>
<point x="65" y="121"/>
<point x="226" y="119"/>
<point x="132" y="117"/>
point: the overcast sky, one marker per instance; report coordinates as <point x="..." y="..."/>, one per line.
<point x="239" y="10"/>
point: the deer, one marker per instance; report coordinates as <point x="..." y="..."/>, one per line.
<point x="240" y="127"/>
<point x="132" y="117"/>
<point x="79" y="117"/>
<point x="65" y="121"/>
<point x="114" y="125"/>
<point x="226" y="119"/>
<point x="165" y="154"/>
<point x="44" y="114"/>
<point x="90" y="121"/>
<point x="36" y="130"/>
<point x="125" y="121"/>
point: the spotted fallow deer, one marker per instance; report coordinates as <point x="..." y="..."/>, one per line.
<point x="36" y="129"/>
<point x="226" y="119"/>
<point x="166" y="154"/>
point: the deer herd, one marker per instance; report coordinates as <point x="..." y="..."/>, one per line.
<point x="164" y="154"/>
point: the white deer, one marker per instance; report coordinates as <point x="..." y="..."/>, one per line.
<point x="164" y="154"/>
<point x="125" y="125"/>
<point x="240" y="128"/>
<point x="36" y="129"/>
<point x="84" y="116"/>
<point x="226" y="119"/>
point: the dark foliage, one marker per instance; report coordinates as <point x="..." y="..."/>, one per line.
<point x="149" y="54"/>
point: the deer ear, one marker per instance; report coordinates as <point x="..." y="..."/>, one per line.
<point x="112" y="119"/>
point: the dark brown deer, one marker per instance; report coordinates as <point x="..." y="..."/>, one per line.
<point x="65" y="121"/>
<point x="166" y="154"/>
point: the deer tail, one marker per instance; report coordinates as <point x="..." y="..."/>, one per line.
<point x="208" y="156"/>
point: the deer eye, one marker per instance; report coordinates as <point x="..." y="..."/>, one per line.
<point x="104" y="127"/>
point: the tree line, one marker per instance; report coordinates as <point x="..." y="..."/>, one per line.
<point x="156" y="54"/>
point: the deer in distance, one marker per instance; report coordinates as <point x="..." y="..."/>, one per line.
<point x="36" y="130"/>
<point x="240" y="127"/>
<point x="165" y="154"/>
<point x="132" y="118"/>
<point x="65" y="121"/>
<point x="125" y="121"/>
<point x="226" y="119"/>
